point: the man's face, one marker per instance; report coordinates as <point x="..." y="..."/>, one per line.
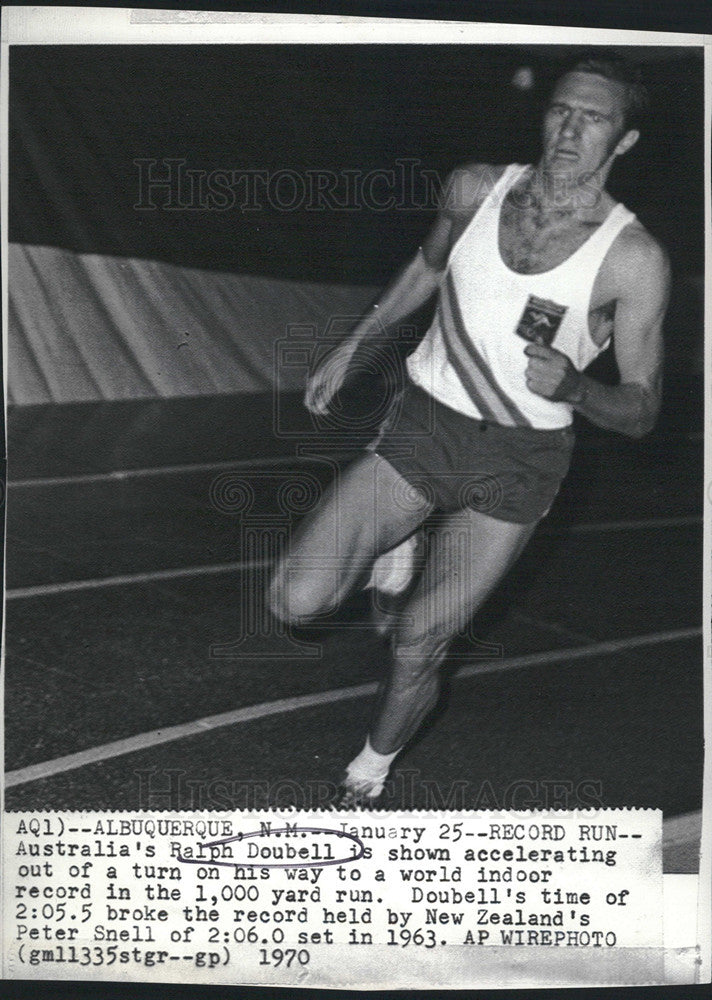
<point x="584" y="125"/>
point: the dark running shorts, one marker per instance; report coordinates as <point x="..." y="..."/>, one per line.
<point x="510" y="473"/>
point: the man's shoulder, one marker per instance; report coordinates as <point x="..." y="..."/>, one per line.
<point x="637" y="255"/>
<point x="636" y="265"/>
<point x="468" y="185"/>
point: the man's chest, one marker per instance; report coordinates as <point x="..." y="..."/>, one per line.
<point x="531" y="242"/>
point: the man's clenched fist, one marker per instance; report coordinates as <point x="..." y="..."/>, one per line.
<point x="551" y="374"/>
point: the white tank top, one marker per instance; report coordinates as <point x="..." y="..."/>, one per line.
<point x="472" y="357"/>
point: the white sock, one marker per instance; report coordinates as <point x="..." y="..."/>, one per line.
<point x="370" y="769"/>
<point x="393" y="570"/>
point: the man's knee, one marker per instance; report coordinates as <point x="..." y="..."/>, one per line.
<point x="420" y="648"/>
<point x="294" y="599"/>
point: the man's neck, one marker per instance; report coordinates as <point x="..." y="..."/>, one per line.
<point x="564" y="193"/>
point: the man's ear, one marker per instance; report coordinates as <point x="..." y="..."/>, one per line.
<point x="628" y="140"/>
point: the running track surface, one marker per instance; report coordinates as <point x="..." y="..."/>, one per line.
<point x="580" y="682"/>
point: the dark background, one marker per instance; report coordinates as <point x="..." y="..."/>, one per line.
<point x="81" y="115"/>
<point x="299" y="108"/>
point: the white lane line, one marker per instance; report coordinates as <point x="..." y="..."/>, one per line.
<point x="185" y="572"/>
<point x="245" y="463"/>
<point x="69" y="586"/>
<point x="664" y="436"/>
<point x="555" y="627"/>
<point x="641" y="524"/>
<point x="145" y="741"/>
<point x="580" y="652"/>
<point x="119" y="475"/>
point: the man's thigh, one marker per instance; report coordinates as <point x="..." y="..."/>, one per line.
<point x="367" y="509"/>
<point x="468" y="555"/>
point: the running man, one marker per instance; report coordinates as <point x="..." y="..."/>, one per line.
<point x="536" y="268"/>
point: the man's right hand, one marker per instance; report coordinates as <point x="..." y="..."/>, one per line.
<point x="327" y="380"/>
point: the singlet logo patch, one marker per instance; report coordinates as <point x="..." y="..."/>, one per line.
<point x="540" y="320"/>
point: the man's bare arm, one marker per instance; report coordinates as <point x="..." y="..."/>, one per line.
<point x="463" y="192"/>
<point x="411" y="288"/>
<point x="632" y="406"/>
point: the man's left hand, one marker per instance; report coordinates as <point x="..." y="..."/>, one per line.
<point x="551" y="374"/>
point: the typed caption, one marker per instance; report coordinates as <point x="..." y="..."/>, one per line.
<point x="323" y="898"/>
